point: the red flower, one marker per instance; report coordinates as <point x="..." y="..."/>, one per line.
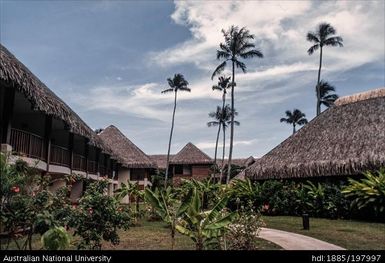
<point x="15" y="189"/>
<point x="74" y="206"/>
<point x="120" y="209"/>
<point x="90" y="210"/>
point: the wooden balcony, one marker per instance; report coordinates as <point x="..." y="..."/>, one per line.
<point x="27" y="144"/>
<point x="33" y="146"/>
<point x="60" y="156"/>
<point x="79" y="163"/>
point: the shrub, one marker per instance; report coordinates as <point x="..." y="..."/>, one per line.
<point x="98" y="217"/>
<point x="55" y="238"/>
<point x="369" y="192"/>
<point x="243" y="232"/>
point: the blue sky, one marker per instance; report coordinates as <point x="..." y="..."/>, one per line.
<point x="109" y="60"/>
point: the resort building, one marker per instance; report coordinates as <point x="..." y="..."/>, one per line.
<point x="38" y="127"/>
<point x="189" y="162"/>
<point x="345" y="140"/>
<point x="135" y="166"/>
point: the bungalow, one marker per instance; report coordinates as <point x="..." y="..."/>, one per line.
<point x="135" y="165"/>
<point x="38" y="127"/>
<point x="345" y="140"/>
<point x="189" y="162"/>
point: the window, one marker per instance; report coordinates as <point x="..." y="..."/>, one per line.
<point x="186" y="170"/>
<point x="137" y="174"/>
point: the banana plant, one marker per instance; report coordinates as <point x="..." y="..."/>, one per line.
<point x="130" y="189"/>
<point x="167" y="206"/>
<point x="203" y="226"/>
<point x="368" y="192"/>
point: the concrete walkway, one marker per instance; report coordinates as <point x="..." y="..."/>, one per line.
<point x="292" y="241"/>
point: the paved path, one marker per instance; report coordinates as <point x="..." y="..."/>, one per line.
<point x="292" y="241"/>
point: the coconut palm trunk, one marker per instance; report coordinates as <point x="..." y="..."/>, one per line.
<point x="216" y="148"/>
<point x="318" y="84"/>
<point x="232" y="123"/>
<point x="223" y="152"/>
<point x="294" y="128"/>
<point x="169" y="141"/>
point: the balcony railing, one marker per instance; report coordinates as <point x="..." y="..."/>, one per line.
<point x="31" y="145"/>
<point x="79" y="163"/>
<point x="60" y="155"/>
<point x="28" y="144"/>
<point x="92" y="167"/>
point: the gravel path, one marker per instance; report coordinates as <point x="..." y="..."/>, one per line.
<point x="293" y="241"/>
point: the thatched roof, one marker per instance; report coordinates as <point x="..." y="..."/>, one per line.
<point x="242" y="162"/>
<point x="14" y="72"/>
<point x="190" y="154"/>
<point x="128" y="153"/>
<point x="344" y="140"/>
<point x="160" y="160"/>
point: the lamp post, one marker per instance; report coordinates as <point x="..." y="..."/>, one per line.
<point x="305" y="221"/>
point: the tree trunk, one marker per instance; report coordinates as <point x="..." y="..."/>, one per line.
<point x="318" y="82"/>
<point x="172" y="237"/>
<point x="137" y="205"/>
<point x="223" y="152"/>
<point x="199" y="244"/>
<point x="216" y="150"/>
<point x="293" y="128"/>
<point x="232" y="126"/>
<point x="169" y="142"/>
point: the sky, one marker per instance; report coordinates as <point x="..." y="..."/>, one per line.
<point x="110" y="60"/>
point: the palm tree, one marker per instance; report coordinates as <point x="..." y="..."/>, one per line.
<point x="222" y="118"/>
<point x="223" y="84"/>
<point x="237" y="46"/>
<point x="226" y="116"/>
<point x="324" y="36"/>
<point x="295" y="118"/>
<point x="327" y="99"/>
<point x="177" y="83"/>
<point x="217" y="116"/>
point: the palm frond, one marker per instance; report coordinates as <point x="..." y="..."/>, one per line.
<point x="184" y="89"/>
<point x="251" y="54"/>
<point x="167" y="90"/>
<point x="241" y="65"/>
<point x="219" y="69"/>
<point x="334" y="41"/>
<point x="312" y="37"/>
<point x="312" y="49"/>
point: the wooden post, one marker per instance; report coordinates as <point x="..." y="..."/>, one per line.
<point x="97" y="161"/>
<point x="71" y="149"/>
<point x="9" y="101"/>
<point x="47" y="139"/>
<point x="86" y="152"/>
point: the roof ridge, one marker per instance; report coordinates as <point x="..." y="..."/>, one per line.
<point x="361" y="96"/>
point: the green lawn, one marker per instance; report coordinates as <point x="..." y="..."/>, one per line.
<point x="345" y="233"/>
<point x="150" y="236"/>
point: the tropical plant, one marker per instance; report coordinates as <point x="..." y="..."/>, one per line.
<point x="296" y="117"/>
<point x="244" y="191"/>
<point x="204" y="226"/>
<point x="368" y="192"/>
<point x="327" y="98"/>
<point x="98" y="217"/>
<point x="177" y="83"/>
<point x="237" y="46"/>
<point x="323" y="36"/>
<point x="131" y="190"/>
<point x="167" y="206"/>
<point x="206" y="189"/>
<point x="243" y="233"/>
<point x="56" y="238"/>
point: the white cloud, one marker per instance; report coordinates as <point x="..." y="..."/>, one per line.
<point x="280" y="28"/>
<point x="211" y="145"/>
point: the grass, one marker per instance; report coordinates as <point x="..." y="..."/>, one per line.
<point x="149" y="236"/>
<point x="349" y="234"/>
